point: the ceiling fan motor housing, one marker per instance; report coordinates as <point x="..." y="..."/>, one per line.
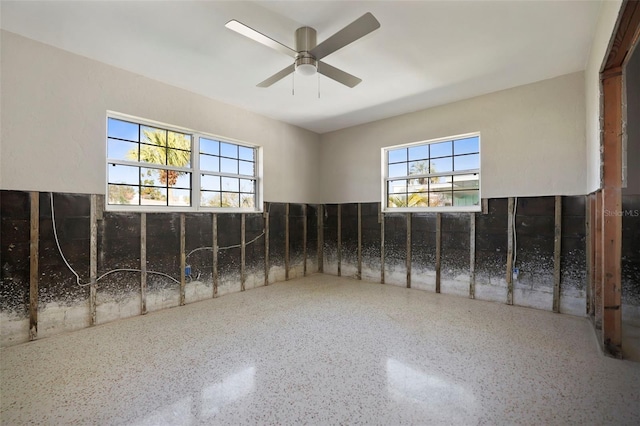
<point x="305" y="63"/>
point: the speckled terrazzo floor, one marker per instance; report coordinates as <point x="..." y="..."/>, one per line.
<point x="323" y="350"/>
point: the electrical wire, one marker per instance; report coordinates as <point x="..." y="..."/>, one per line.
<point x="136" y="270"/>
<point x="78" y="281"/>
<point x="55" y="235"/>
<point x="226" y="248"/>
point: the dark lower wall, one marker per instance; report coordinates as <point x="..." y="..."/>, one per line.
<point x="63" y="301"/>
<point x="391" y="254"/>
<point x="356" y="240"/>
<point x="631" y="259"/>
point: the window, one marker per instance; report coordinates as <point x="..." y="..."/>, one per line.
<point x="152" y="167"/>
<point x="438" y="175"/>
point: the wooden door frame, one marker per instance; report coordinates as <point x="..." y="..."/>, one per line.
<point x="606" y="242"/>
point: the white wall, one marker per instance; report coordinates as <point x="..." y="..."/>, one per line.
<point x="608" y="16"/>
<point x="532" y="142"/>
<point x="53" y="110"/>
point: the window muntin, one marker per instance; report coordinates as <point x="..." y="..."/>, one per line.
<point x="228" y="174"/>
<point x="436" y="175"/>
<point x="151" y="167"/>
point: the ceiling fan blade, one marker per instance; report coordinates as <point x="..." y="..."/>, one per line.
<point x="338" y="75"/>
<point x="352" y="32"/>
<point x="249" y="32"/>
<point x="277" y="76"/>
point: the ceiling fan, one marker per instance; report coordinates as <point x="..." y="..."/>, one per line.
<point x="307" y="55"/>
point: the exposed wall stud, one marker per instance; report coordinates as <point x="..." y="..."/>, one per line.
<point x="287" y="264"/>
<point x="34" y="238"/>
<point x="626" y="37"/>
<point x="557" y="241"/>
<point x="304" y="240"/>
<point x="589" y="224"/>
<point x="359" y="241"/>
<point x="266" y="244"/>
<point x="143" y="263"/>
<point x="408" y="258"/>
<point x="183" y="259"/>
<point x="597" y="265"/>
<point x="472" y="255"/>
<point x="381" y="220"/>
<point x="339" y="240"/>
<point x="509" y="272"/>
<point x="438" y="250"/>
<point x="320" y="220"/>
<point x="93" y="258"/>
<point x="214" y="245"/>
<point x="243" y="274"/>
<point x="612" y="88"/>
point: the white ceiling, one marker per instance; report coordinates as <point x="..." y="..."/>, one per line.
<point x="426" y="53"/>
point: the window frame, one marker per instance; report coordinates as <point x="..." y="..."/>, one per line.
<point x="194" y="169"/>
<point x="385" y="178"/>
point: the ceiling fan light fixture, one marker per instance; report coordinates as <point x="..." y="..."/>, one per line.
<point x="306" y="65"/>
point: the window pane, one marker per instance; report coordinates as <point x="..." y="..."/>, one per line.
<point x="419" y="167"/>
<point x="228" y="166"/>
<point x="466" y="198"/>
<point x="397" y="200"/>
<point x="439" y="179"/>
<point x="464" y="182"/>
<point x="210" y="183"/>
<point x="245" y="153"/>
<point x="178" y="158"/>
<point x="397" y="170"/>
<point x="179" y="141"/>
<point x="153" y="154"/>
<point x="209" y="163"/>
<point x="418" y="199"/>
<point x="122" y="130"/>
<point x="153" y="177"/>
<point x="124" y="174"/>
<point x="246" y="168"/>
<point x="120" y="150"/>
<point x="246" y="185"/>
<point x="443" y="183"/>
<point x="210" y="199"/>
<point x="153" y="136"/>
<point x="230" y="199"/>
<point x="228" y="150"/>
<point x="398" y="155"/>
<point x="419" y="152"/>
<point x="151" y="196"/>
<point x="440" y="165"/>
<point x="179" y="197"/>
<point x="397" y="186"/>
<point x="209" y="146"/>
<point x="467" y="162"/>
<point x="440" y="199"/>
<point x="122" y="194"/>
<point x="441" y="149"/>
<point x="466" y="146"/>
<point x="183" y="180"/>
<point x="230" y="184"/>
<point x="247" y="200"/>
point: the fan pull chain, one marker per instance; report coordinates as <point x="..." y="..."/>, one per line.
<point x="318" y="85"/>
<point x="293" y="84"/>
